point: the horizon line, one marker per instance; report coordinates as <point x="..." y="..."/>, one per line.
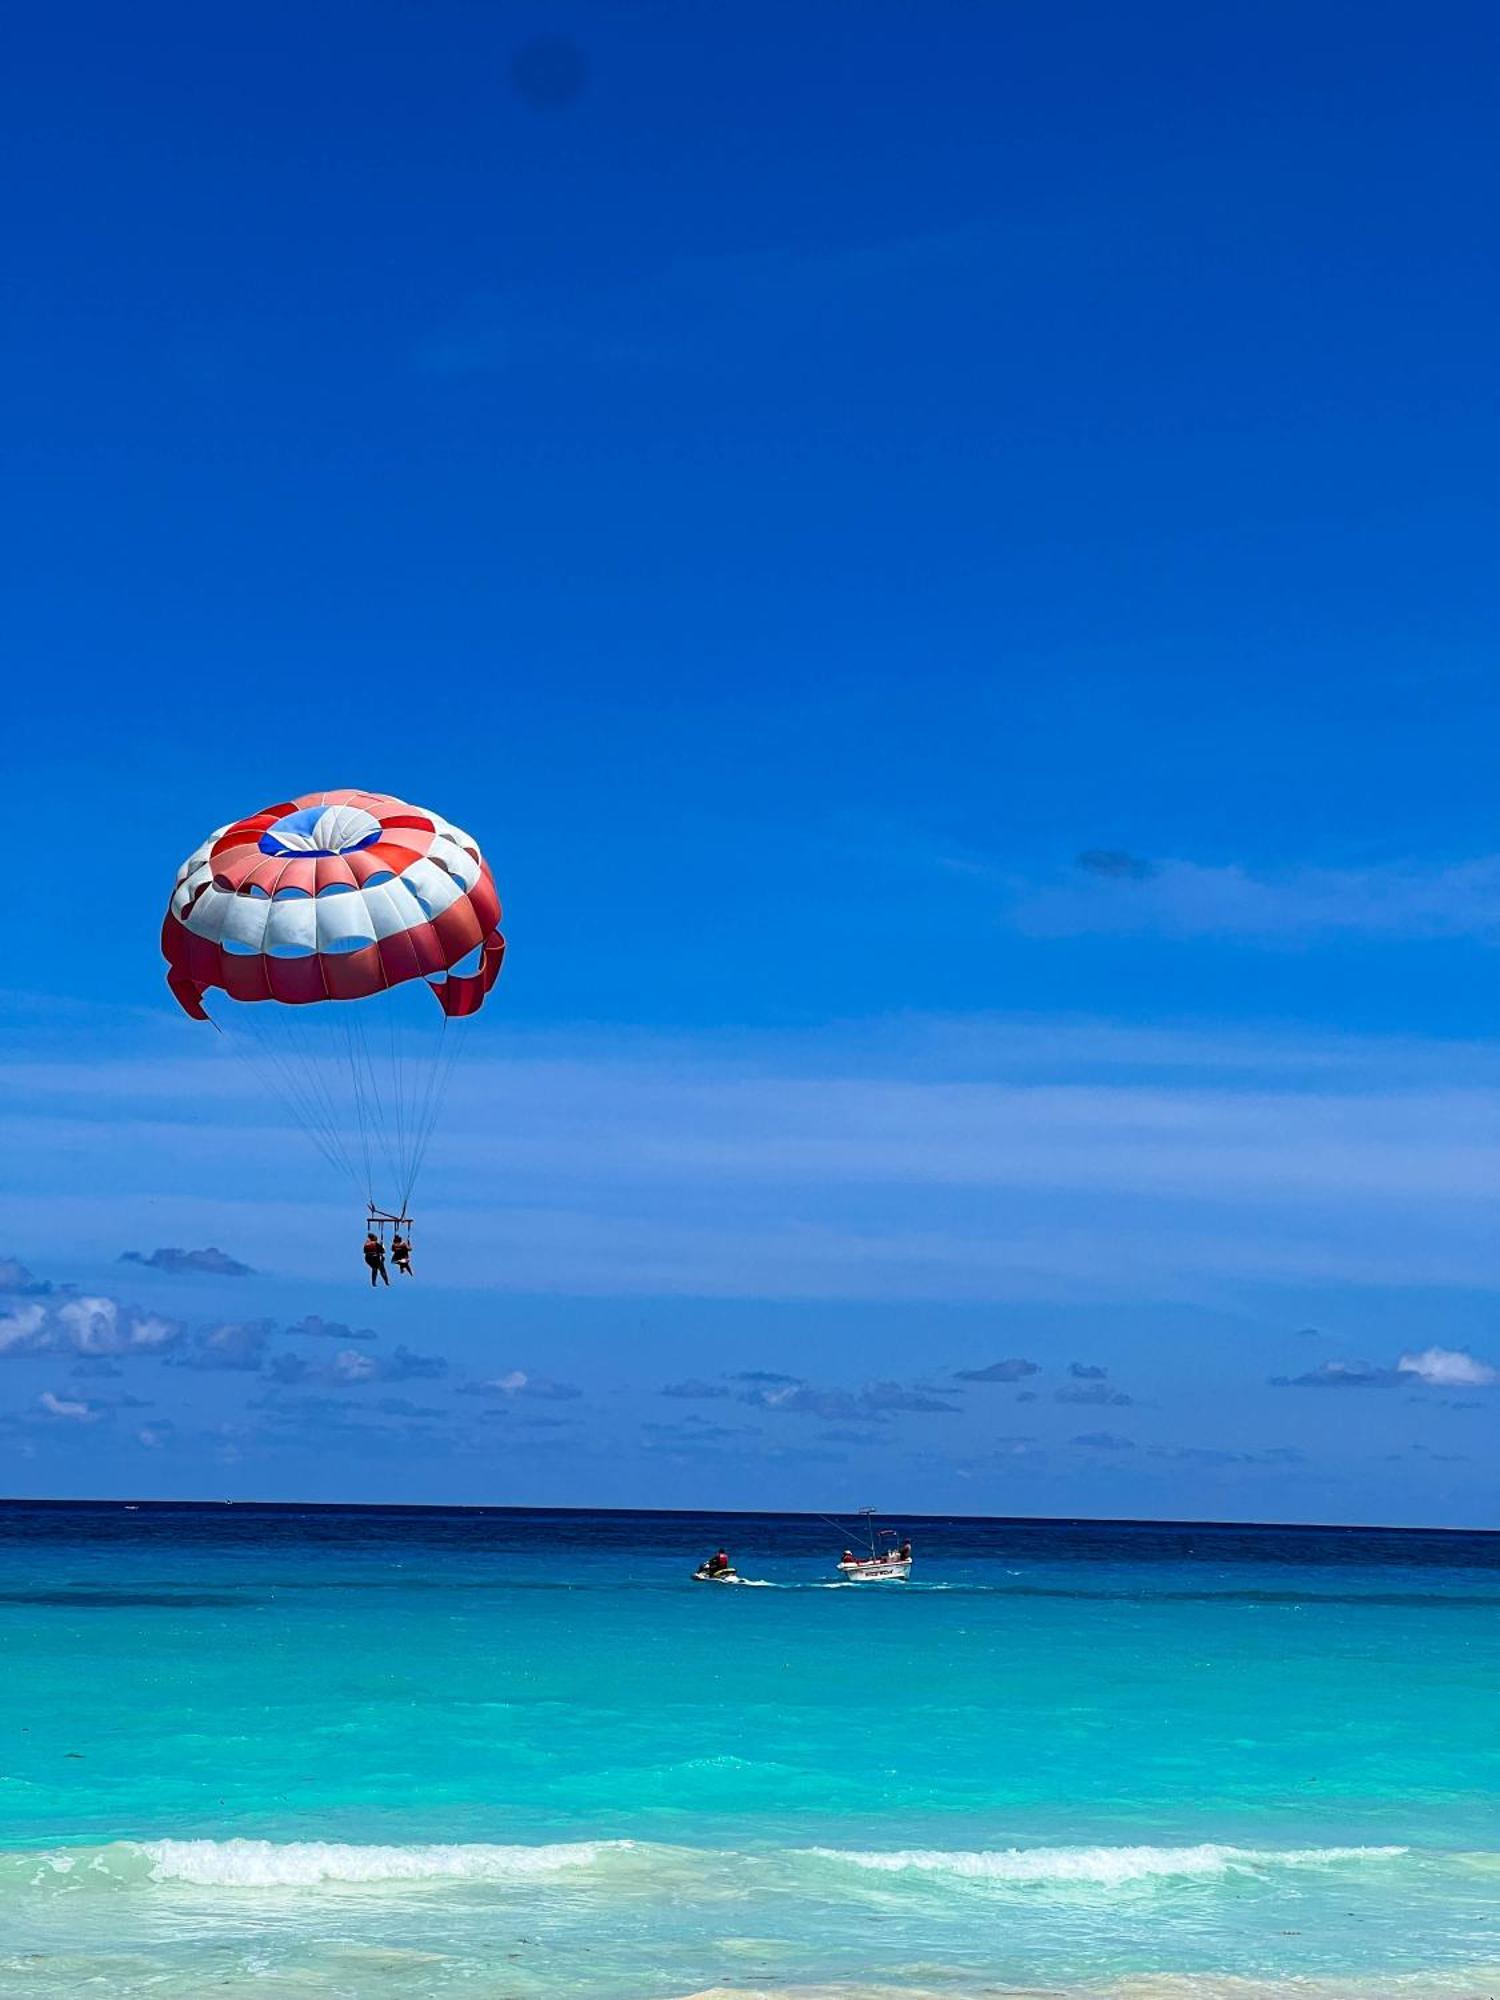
<point x="13" y="1501"/>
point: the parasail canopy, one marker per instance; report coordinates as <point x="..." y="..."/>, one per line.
<point x="334" y="896"/>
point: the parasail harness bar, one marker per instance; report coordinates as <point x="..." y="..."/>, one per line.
<point x="380" y="1220"/>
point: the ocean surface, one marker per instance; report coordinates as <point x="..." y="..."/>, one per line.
<point x="321" y="1753"/>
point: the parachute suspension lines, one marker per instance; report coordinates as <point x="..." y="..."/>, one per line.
<point x="397" y="1096"/>
<point x="396" y="1071"/>
<point x="430" y="1100"/>
<point x="368" y="1094"/>
<point x="364" y="1091"/>
<point x="280" y="1056"/>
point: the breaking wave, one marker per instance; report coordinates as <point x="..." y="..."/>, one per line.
<point x="646" y="1868"/>
<point x="294" y="1864"/>
<point x="1106" y="1867"/>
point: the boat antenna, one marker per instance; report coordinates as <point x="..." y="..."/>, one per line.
<point x="843" y="1527"/>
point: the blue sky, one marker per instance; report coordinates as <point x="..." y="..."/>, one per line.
<point x="948" y="559"/>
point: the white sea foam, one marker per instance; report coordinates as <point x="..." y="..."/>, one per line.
<point x="1106" y="1867"/>
<point x="242" y="1864"/>
<point x="271" y="1864"/>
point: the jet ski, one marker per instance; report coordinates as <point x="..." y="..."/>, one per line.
<point x="703" y="1574"/>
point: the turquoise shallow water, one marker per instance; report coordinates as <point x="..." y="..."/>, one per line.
<point x="357" y="1753"/>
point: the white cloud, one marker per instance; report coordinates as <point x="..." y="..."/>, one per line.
<point x="1448" y="1368"/>
<point x="518" y="1383"/>
<point x="348" y="1365"/>
<point x="104" y="1326"/>
<point x="21" y="1328"/>
<point x="68" y="1409"/>
<point x="232" y="1345"/>
<point x="85" y="1325"/>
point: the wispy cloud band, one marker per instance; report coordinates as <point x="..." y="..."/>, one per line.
<point x="1396" y="900"/>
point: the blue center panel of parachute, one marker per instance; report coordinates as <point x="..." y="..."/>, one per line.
<point x="300" y="825"/>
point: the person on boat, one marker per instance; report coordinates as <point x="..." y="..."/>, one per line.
<point x="375" y="1258"/>
<point x="849" y="1558"/>
<point x="401" y="1253"/>
<point x="903" y="1554"/>
<point x="718" y="1565"/>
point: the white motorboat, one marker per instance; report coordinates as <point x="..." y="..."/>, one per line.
<point x="889" y="1560"/>
<point x="876" y="1569"/>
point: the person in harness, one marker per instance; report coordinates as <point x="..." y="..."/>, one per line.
<point x="401" y="1253"/>
<point x="375" y="1258"/>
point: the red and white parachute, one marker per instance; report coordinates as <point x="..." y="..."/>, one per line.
<point x="326" y="905"/>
